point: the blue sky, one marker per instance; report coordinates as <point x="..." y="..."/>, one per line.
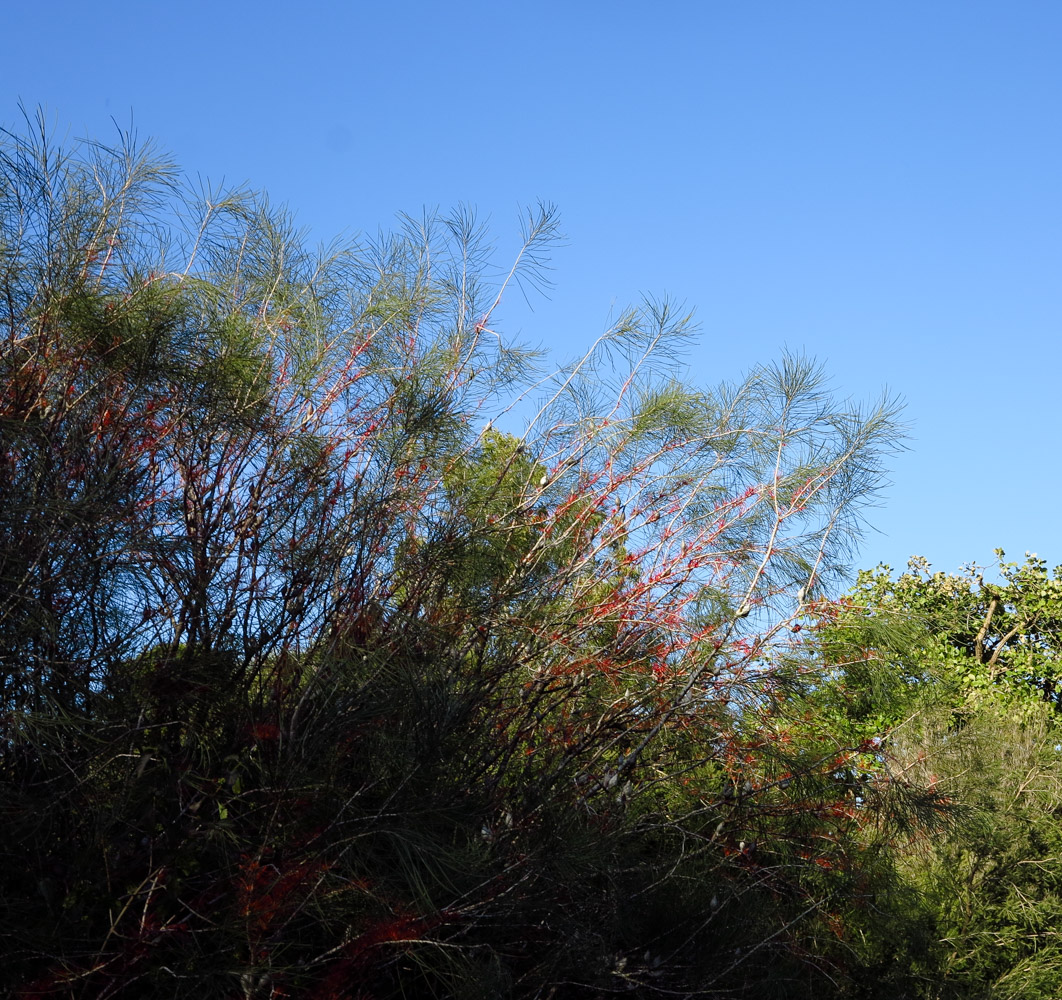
<point x="877" y="185"/>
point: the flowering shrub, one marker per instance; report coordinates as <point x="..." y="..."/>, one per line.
<point x="348" y="651"/>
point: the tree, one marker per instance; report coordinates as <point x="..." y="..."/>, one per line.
<point x="974" y="667"/>
<point x="315" y="685"/>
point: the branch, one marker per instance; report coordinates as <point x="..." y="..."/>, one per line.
<point x="1010" y="635"/>
<point x="979" y="642"/>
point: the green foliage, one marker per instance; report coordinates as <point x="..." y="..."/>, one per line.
<point x="972" y="667"/>
<point x="994" y="886"/>
<point x="995" y="642"/>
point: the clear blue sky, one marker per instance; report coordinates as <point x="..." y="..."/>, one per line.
<point x="878" y="185"/>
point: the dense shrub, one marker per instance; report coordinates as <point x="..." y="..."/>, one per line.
<point x="348" y="651"/>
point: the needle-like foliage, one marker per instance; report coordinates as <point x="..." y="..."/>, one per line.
<point x="349" y="650"/>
